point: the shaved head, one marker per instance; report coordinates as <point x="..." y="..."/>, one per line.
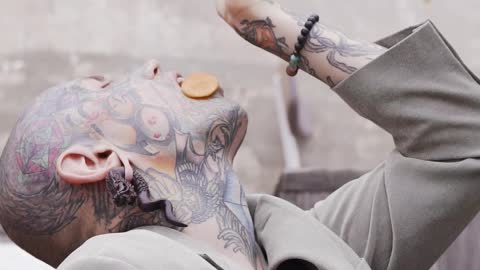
<point x="35" y="205"/>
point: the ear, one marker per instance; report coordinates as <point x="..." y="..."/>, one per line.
<point x="84" y="164"/>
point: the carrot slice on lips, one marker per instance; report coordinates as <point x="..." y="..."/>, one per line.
<point x="199" y="85"/>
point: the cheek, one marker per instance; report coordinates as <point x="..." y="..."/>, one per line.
<point x="155" y="124"/>
<point x="159" y="94"/>
<point x="120" y="107"/>
<point x="118" y="133"/>
<point x="92" y="112"/>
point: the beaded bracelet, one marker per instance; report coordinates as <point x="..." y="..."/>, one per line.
<point x="292" y="68"/>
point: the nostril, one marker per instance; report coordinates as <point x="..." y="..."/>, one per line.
<point x="151" y="69"/>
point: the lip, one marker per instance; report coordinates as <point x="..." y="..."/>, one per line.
<point x="175" y="76"/>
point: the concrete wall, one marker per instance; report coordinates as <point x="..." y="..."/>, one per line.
<point x="50" y="41"/>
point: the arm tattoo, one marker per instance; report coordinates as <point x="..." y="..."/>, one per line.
<point x="333" y="43"/>
<point x="261" y="33"/>
<point x="339" y="51"/>
<point x="337" y="44"/>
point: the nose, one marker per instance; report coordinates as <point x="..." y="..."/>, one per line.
<point x="151" y="69"/>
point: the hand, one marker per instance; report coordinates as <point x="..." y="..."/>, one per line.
<point x="230" y="10"/>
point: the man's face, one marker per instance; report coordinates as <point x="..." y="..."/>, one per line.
<point x="145" y="110"/>
<point x="148" y="118"/>
<point x="141" y="113"/>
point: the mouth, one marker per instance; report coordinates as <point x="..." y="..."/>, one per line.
<point x="179" y="79"/>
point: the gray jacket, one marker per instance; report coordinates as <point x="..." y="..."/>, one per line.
<point x="401" y="215"/>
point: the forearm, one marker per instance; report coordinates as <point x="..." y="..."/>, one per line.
<point x="328" y="54"/>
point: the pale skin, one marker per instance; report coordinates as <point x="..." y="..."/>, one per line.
<point x="59" y="154"/>
<point x="184" y="149"/>
<point x="329" y="55"/>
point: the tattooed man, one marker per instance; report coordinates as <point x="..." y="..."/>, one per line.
<point x="401" y="215"/>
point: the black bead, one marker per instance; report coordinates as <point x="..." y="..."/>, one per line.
<point x="305" y="31"/>
<point x="302" y="40"/>
<point x="298" y="47"/>
<point x="309" y="25"/>
<point x="314" y="18"/>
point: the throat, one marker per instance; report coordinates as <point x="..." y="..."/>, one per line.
<point x="221" y="219"/>
<point x="209" y="196"/>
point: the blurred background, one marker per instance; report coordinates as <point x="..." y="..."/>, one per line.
<point x="47" y="42"/>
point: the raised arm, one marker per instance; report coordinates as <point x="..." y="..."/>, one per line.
<point x="408" y="210"/>
<point x="328" y="55"/>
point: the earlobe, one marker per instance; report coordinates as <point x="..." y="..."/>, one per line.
<point x="81" y="164"/>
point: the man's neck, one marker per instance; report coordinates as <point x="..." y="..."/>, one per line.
<point x="230" y="231"/>
<point x="205" y="192"/>
<point x="214" y="205"/>
<point x="213" y="202"/>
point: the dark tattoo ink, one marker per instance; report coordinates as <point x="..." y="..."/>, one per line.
<point x="31" y="198"/>
<point x="261" y="33"/>
<point x="336" y="47"/>
<point x="336" y="44"/>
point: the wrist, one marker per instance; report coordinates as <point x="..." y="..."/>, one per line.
<point x="257" y="10"/>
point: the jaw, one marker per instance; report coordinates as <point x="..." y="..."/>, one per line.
<point x="239" y="137"/>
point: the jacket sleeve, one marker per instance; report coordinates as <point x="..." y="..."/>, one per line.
<point x="96" y="262"/>
<point x="408" y="210"/>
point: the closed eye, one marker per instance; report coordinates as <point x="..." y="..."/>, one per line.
<point x="104" y="82"/>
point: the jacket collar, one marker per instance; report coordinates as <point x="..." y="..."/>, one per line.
<point x="290" y="235"/>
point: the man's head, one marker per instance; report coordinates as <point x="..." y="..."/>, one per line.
<point x="53" y="167"/>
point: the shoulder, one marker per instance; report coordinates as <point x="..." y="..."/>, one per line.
<point x="136" y="249"/>
<point x="264" y="203"/>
